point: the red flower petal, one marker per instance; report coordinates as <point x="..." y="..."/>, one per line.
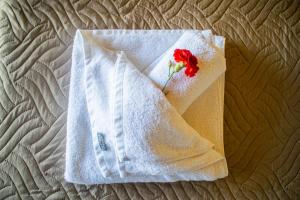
<point x="182" y="55"/>
<point x="191" y="71"/>
<point x="192" y="60"/>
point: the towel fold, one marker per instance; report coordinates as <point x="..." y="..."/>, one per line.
<point x="121" y="127"/>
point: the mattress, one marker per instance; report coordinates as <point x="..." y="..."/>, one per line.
<point x="262" y="93"/>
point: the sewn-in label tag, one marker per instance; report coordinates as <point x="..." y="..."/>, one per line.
<point x="101" y="141"/>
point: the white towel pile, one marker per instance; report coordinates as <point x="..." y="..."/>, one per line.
<point x="122" y="128"/>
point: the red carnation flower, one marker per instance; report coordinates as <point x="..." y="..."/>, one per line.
<point x="185" y="59"/>
<point x="189" y="60"/>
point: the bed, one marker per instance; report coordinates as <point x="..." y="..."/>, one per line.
<point x="262" y="93"/>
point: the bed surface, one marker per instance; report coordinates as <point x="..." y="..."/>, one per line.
<point x="262" y="94"/>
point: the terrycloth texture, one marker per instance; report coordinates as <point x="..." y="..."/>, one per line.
<point x="121" y="128"/>
<point x="182" y="90"/>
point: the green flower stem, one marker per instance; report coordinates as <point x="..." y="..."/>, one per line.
<point x="170" y="76"/>
<point x="172" y="70"/>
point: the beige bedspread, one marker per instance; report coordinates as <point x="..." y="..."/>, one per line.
<point x="262" y="94"/>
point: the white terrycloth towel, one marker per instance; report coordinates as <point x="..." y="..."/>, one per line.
<point x="122" y="128"/>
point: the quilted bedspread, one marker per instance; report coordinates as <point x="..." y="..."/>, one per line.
<point x="262" y="94"/>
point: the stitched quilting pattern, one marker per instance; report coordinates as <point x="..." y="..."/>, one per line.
<point x="262" y="109"/>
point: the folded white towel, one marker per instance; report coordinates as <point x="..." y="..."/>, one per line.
<point x="121" y="128"/>
<point x="182" y="90"/>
